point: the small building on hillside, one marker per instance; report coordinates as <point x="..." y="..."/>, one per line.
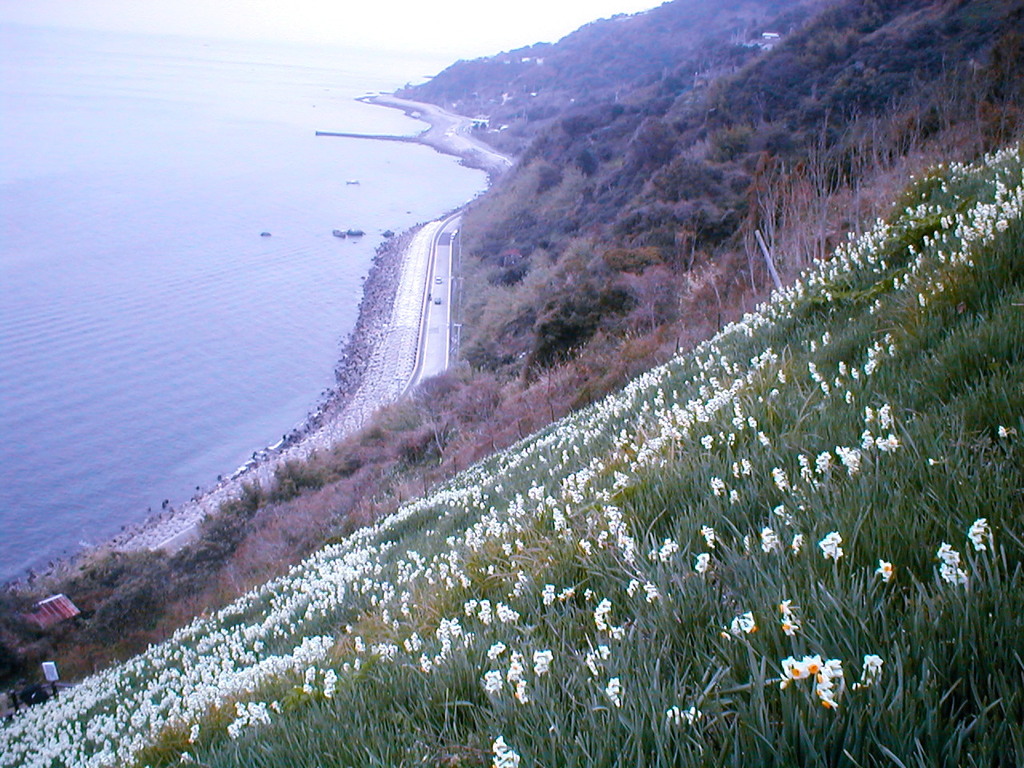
<point x="52" y="610"/>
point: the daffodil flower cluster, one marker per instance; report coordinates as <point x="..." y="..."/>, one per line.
<point x="790" y="622"/>
<point x="830" y="546"/>
<point x="677" y="716"/>
<point x="580" y="465"/>
<point x="614" y="691"/>
<point x="980" y="534"/>
<point x="248" y="715"/>
<point x="504" y="755"/>
<point x="949" y="568"/>
<point x="744" y="624"/>
<point x="871" y="671"/>
<point x="827" y="676"/>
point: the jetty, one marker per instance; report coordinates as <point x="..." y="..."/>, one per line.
<point x="372" y="136"/>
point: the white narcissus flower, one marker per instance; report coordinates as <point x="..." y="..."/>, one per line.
<point x="542" y="662"/>
<point x="521" y="694"/>
<point x="484" y="612"/>
<point x="887" y="444"/>
<point x="506" y="615"/>
<point x="850" y="458"/>
<point x="826" y="687"/>
<point x="950" y="569"/>
<point x="769" y="540"/>
<point x="827" y="695"/>
<point x="668" y="548"/>
<point x="677" y="716"/>
<point x="330" y="683"/>
<point x="792" y="669"/>
<point x="823" y="463"/>
<point x="980" y="534"/>
<point x="871" y="672"/>
<point x="493" y="681"/>
<point x="743" y="624"/>
<point x="515" y="668"/>
<point x="496" y="650"/>
<point x="614" y="691"/>
<point x="790" y="623"/>
<point x="830" y="546"/>
<point x="504" y="756"/>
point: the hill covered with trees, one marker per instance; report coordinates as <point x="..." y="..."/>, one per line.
<point x="632" y="190"/>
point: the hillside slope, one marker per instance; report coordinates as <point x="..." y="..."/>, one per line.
<point x="799" y="545"/>
<point x="627" y="232"/>
<point x="626" y="196"/>
<point x="604" y="60"/>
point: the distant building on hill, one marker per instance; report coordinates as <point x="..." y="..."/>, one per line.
<point x="765" y="42"/>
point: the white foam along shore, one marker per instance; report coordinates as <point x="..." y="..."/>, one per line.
<point x="378" y="362"/>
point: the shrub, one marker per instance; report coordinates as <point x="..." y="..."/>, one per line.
<point x="294" y="477"/>
<point x="730" y="144"/>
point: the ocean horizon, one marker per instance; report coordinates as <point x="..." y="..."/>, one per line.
<point x="151" y="337"/>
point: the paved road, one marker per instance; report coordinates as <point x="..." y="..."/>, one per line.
<point x="400" y="358"/>
<point x="413" y="344"/>
<point x="435" y="331"/>
<point x="449" y="133"/>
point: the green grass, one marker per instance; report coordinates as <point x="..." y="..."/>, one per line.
<point x="904" y="354"/>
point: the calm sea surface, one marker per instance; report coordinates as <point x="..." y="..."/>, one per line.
<point x="150" y="338"/>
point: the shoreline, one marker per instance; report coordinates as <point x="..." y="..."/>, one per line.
<point x="446" y="133"/>
<point x="174" y="527"/>
<point x="368" y="373"/>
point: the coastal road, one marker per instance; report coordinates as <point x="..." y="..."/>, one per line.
<point x="449" y="133"/>
<point x="434" y="352"/>
<point x="410" y="343"/>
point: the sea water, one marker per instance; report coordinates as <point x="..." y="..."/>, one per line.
<point x="151" y="338"/>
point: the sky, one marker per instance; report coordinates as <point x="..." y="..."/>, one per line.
<point x="460" y="28"/>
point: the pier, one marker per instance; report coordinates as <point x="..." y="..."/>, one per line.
<point x="373" y="136"/>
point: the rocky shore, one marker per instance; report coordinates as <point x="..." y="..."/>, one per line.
<point x="376" y="362"/>
<point x="331" y="420"/>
